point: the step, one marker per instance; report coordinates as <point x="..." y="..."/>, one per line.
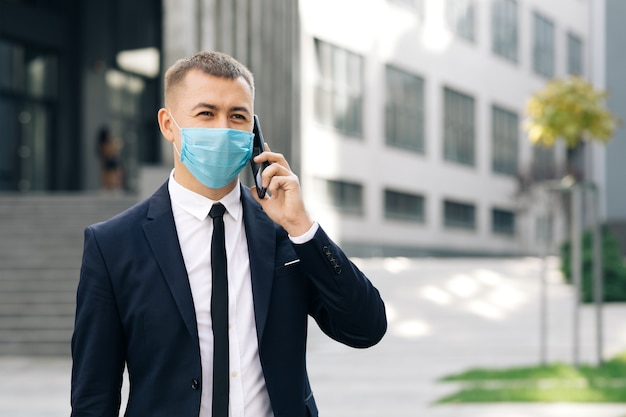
<point x="23" y="300"/>
<point x="57" y="259"/>
<point x="59" y="348"/>
<point x="36" y="284"/>
<point x="37" y="323"/>
<point x="63" y="335"/>
<point x="54" y="342"/>
<point x="37" y="274"/>
<point x="39" y="309"/>
<point x="40" y="257"/>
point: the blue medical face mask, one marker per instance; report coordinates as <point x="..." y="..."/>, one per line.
<point x="214" y="156"/>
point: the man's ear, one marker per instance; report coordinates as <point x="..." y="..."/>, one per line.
<point x="166" y="124"/>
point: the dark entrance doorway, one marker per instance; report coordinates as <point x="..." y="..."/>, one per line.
<point x="62" y="79"/>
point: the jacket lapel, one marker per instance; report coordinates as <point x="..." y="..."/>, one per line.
<point x="160" y="231"/>
<point x="261" y="237"/>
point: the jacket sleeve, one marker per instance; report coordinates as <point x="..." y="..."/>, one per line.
<point x="98" y="341"/>
<point x="344" y="303"/>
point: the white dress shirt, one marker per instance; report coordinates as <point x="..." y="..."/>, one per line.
<point x="248" y="393"/>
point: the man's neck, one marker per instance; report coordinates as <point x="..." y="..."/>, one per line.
<point x="187" y="180"/>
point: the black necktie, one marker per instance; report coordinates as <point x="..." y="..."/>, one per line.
<point x="219" y="313"/>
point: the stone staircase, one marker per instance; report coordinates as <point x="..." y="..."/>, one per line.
<point x="41" y="240"/>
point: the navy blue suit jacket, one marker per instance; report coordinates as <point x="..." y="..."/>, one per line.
<point x="134" y="308"/>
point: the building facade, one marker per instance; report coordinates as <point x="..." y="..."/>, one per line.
<point x="412" y="114"/>
<point x="403" y="118"/>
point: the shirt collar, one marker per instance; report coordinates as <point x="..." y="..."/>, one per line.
<point x="198" y="205"/>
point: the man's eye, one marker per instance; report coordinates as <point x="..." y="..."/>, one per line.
<point x="205" y="113"/>
<point x="239" y="116"/>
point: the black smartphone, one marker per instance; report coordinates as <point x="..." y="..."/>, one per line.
<point x="258" y="147"/>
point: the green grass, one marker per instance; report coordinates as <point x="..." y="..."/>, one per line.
<point x="550" y="383"/>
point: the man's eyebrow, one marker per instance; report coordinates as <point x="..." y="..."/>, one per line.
<point x="204" y="106"/>
<point x="241" y="109"/>
<point x="214" y="107"/>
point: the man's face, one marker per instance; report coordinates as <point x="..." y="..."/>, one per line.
<point x="202" y="100"/>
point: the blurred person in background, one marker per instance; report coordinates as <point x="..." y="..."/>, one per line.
<point x="145" y="297"/>
<point x="110" y="154"/>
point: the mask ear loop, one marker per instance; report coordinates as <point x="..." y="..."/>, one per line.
<point x="174" y="120"/>
<point x="179" y="129"/>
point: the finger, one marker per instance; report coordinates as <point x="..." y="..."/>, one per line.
<point x="273" y="158"/>
<point x="272" y="171"/>
<point x="276" y="168"/>
<point x="282" y="183"/>
<point x="276" y="184"/>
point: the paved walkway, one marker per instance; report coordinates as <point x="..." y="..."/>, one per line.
<point x="446" y="315"/>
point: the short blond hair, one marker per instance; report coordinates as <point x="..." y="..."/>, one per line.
<point x="212" y="63"/>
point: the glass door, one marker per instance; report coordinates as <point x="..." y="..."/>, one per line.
<point x="28" y="84"/>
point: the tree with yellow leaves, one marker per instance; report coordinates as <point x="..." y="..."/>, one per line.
<point x="570" y="109"/>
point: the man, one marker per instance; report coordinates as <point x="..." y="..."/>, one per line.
<point x="144" y="300"/>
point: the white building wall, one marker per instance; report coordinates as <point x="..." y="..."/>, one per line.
<point x="383" y="32"/>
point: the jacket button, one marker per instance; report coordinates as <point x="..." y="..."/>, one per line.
<point x="195" y="384"/>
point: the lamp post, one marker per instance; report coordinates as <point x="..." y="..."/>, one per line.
<point x="579" y="193"/>
<point x="572" y="110"/>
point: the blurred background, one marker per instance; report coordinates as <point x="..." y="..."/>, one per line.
<point x="404" y="119"/>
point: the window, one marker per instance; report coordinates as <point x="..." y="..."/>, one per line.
<point x="459" y="215"/>
<point x="403" y="206"/>
<point x="458" y="127"/>
<point x="347" y="197"/>
<point x="125" y="92"/>
<point x="504" y="29"/>
<point x="574" y="54"/>
<point x="461" y="16"/>
<point x="339" y="94"/>
<point x="543" y="46"/>
<point x="29" y="80"/>
<point x="404" y="118"/>
<point x="503" y="222"/>
<point x="543" y="163"/>
<point x="504" y="136"/>
<point x="28" y="71"/>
